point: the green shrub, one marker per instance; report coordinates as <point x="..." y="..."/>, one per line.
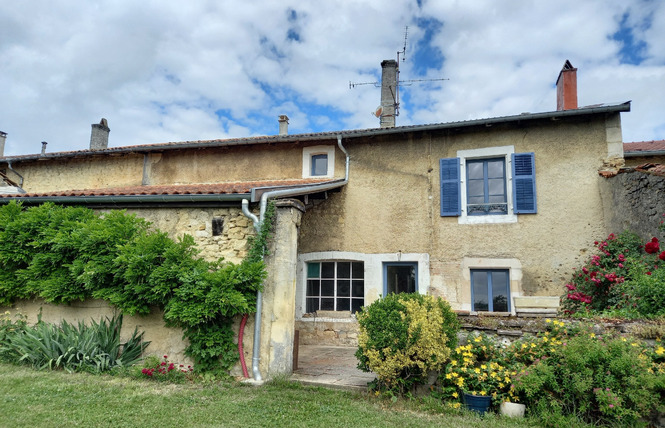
<point x="64" y="254"/>
<point x="403" y="337"/>
<point x="94" y="348"/>
<point x="603" y="380"/>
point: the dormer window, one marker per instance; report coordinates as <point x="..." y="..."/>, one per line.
<point x="318" y="161"/>
<point x="319" y="165"/>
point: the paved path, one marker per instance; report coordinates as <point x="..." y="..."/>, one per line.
<point x="330" y="366"/>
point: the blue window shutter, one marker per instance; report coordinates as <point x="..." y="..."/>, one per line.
<point x="451" y="203"/>
<point x="524" y="183"/>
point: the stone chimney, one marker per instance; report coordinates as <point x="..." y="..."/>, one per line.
<point x="283" y="124"/>
<point x="388" y="93"/>
<point x="99" y="138"/>
<point x="44" y="143"/>
<point x="3" y="138"/>
<point x="566" y="88"/>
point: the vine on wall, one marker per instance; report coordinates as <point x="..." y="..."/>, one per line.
<point x="64" y="254"/>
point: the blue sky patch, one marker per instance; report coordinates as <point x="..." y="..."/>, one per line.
<point x="632" y="50"/>
<point x="425" y="55"/>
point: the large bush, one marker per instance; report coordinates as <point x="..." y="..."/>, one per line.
<point x="600" y="379"/>
<point x="64" y="254"/>
<point x="403" y="337"/>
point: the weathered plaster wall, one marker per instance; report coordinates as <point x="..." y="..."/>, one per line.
<point x="82" y="173"/>
<point x="239" y="163"/>
<point x="634" y="201"/>
<point x="164" y="340"/>
<point x="392" y="201"/>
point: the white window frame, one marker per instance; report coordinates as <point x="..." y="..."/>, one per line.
<point x="487" y="153"/>
<point x="308" y="152"/>
<point x="513" y="266"/>
<point x="373" y="273"/>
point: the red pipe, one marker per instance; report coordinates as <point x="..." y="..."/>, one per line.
<point x="240" y="350"/>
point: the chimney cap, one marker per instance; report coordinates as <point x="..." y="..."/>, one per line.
<point x="567" y="66"/>
<point x="3" y="134"/>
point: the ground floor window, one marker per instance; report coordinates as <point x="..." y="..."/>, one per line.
<point x="490" y="290"/>
<point x="400" y="277"/>
<point x="335" y="286"/>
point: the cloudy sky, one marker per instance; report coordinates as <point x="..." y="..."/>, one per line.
<point x="170" y="70"/>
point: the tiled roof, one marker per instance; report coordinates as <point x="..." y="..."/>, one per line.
<point x="328" y="136"/>
<point x="652" y="168"/>
<point x="644" y="146"/>
<point x="240" y="187"/>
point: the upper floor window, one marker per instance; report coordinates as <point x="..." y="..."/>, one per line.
<point x="318" y="161"/>
<point x="489" y="185"/>
<point x="486" y="187"/>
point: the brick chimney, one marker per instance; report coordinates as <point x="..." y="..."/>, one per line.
<point x="3" y="138"/>
<point x="99" y="138"/>
<point x="388" y="93"/>
<point x="283" y="124"/>
<point x="566" y="88"/>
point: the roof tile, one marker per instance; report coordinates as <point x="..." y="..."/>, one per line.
<point x="644" y="146"/>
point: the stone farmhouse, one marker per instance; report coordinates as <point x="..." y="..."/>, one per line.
<point x="490" y="214"/>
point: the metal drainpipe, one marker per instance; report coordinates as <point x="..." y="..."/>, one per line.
<point x="20" y="184"/>
<point x="263" y="206"/>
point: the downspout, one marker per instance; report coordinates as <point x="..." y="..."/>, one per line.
<point x="264" y="205"/>
<point x="20" y="183"/>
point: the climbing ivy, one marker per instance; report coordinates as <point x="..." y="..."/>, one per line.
<point x="64" y="254"/>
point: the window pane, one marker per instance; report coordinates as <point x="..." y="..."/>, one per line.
<point x="495" y="168"/>
<point x="313" y="287"/>
<point x="328" y="287"/>
<point x="328" y="270"/>
<point x="358" y="270"/>
<point x="500" y="291"/>
<point x="476" y="187"/>
<point x="312" y="305"/>
<point x="343" y="270"/>
<point x="474" y="170"/>
<point x="319" y="164"/>
<point x="356" y="304"/>
<point x="401" y="279"/>
<point x="344" y="287"/>
<point x="496" y="186"/>
<point x="313" y="270"/>
<point x="358" y="288"/>
<point x="328" y="304"/>
<point x="480" y="300"/>
<point x="343" y="305"/>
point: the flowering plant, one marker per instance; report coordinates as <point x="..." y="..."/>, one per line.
<point x="598" y="285"/>
<point x="164" y="370"/>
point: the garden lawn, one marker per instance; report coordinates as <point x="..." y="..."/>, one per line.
<point x="30" y="398"/>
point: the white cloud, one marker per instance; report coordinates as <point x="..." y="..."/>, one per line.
<point x="171" y="71"/>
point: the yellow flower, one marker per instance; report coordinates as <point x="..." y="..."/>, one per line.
<point x="592" y="335"/>
<point x="453" y="363"/>
<point x="483" y="366"/>
<point x="483" y="393"/>
<point x="548" y="320"/>
<point x="506" y="379"/>
<point x="501" y="384"/>
<point x="660" y="350"/>
<point x="460" y="382"/>
<point x="545" y="339"/>
<point x="455" y="394"/>
<point x="477" y="370"/>
<point x="449" y="376"/>
<point x="533" y="345"/>
<point x="456" y="405"/>
<point x="478" y="339"/>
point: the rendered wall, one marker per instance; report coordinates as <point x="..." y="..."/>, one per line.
<point x="392" y="201"/>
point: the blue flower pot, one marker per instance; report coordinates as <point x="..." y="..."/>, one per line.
<point x="477" y="403"/>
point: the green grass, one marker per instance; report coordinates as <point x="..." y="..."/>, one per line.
<point x="30" y="398"/>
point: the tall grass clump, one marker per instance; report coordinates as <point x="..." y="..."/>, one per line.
<point x="96" y="347"/>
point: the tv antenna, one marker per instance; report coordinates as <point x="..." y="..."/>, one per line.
<point x="395" y="93"/>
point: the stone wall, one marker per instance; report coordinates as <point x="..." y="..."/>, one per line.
<point x="634" y="201"/>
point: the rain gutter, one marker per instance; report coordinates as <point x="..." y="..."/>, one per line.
<point x="126" y="199"/>
<point x="644" y="154"/>
<point x="297" y="191"/>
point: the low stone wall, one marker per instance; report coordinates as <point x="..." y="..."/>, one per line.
<point x="330" y="329"/>
<point x="163" y="340"/>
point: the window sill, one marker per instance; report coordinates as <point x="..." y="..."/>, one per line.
<point x="487" y="219"/>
